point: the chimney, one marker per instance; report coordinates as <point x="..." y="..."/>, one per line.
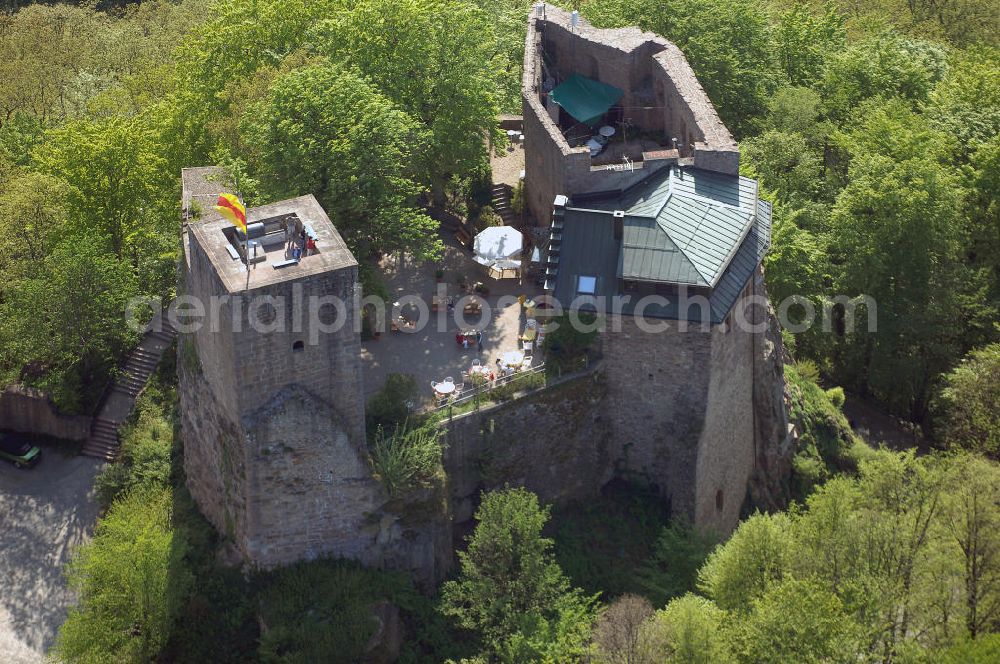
<point x="619" y="222"/>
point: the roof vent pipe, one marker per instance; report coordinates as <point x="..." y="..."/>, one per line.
<point x="540" y="10"/>
<point x="574" y="20"/>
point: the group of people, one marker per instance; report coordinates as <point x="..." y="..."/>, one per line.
<point x="464" y="339"/>
<point x="298" y="243"/>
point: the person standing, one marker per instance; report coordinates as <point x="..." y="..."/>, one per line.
<point x="479" y="340"/>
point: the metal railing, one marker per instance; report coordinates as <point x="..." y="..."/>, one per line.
<point x="484" y="389"/>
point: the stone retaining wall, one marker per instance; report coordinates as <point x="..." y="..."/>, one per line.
<point x="28" y="410"/>
<point x="552" y="442"/>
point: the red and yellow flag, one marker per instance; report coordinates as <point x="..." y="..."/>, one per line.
<point x="230" y="207"/>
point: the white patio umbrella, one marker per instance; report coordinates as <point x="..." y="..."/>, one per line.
<point x="498" y="247"/>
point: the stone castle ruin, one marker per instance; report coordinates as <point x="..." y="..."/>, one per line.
<point x="274" y="425"/>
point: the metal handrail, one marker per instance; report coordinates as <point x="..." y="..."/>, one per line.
<point x="472" y="392"/>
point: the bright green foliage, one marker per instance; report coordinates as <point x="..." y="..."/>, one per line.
<point x="796" y="622"/>
<point x="129" y="580"/>
<point x="145" y="463"/>
<point x="324" y="129"/>
<point x="966" y="102"/>
<point x="969" y="403"/>
<point x="984" y="650"/>
<point x="435" y="60"/>
<point x="896" y="237"/>
<point x="785" y="163"/>
<point x="887" y="65"/>
<point x="757" y="554"/>
<point x="804" y="40"/>
<point x="690" y="630"/>
<point x="116" y="182"/>
<point x="33" y="213"/>
<point x="510" y="590"/>
<point x="77" y="282"/>
<point x="406" y="457"/>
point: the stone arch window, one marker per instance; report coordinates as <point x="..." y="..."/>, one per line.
<point x="719" y="500"/>
<point x="298" y="347"/>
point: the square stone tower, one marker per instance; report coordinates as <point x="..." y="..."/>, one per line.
<point x="270" y="381"/>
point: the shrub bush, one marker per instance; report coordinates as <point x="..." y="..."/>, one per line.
<point x="566" y="346"/>
<point x="393" y="404"/>
<point x="409" y="456"/>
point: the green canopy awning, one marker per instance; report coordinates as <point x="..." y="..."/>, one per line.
<point x="586" y="99"/>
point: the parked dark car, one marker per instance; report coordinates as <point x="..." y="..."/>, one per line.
<point x="18" y="451"/>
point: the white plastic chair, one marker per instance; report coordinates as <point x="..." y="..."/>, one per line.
<point x="525" y="363"/>
<point x="449" y="379"/>
<point x="475" y="362"/>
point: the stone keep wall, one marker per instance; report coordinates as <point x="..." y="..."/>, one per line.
<point x="312" y="494"/>
<point x="552" y="442"/>
<point x="682" y="407"/>
<point x="329" y="366"/>
<point x="658" y="386"/>
<point x="28" y="410"/>
<point x="661" y="94"/>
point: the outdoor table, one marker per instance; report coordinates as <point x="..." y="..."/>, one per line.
<point x="607" y="131"/>
<point x="444" y="388"/>
<point x="513" y="358"/>
<point x="480" y="369"/>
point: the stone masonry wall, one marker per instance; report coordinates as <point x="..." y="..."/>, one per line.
<point x="313" y="494"/>
<point x="552" y="442"/>
<point x="658" y="384"/>
<point x="661" y="94"/>
<point x="28" y="410"/>
<point x="726" y="445"/>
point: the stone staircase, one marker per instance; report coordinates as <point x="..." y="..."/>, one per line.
<point x="103" y="442"/>
<point x="501" y="204"/>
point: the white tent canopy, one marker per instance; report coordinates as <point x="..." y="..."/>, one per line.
<point x="499" y="249"/>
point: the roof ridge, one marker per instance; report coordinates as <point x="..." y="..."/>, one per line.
<point x="683" y="249"/>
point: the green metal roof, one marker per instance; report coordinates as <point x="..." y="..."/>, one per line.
<point x="704" y="215"/>
<point x="682" y="226"/>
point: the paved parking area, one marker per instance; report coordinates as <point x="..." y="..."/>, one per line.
<point x="44" y="513"/>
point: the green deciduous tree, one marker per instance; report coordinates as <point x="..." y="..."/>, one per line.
<point x="804" y="40"/>
<point x="128" y="579"/>
<point x="896" y="236"/>
<point x="510" y="590"/>
<point x="433" y="59"/>
<point x="968" y="408"/>
<point x="324" y="129"/>
<point x="796" y="622"/>
<point x="690" y="630"/>
<point x="756" y="555"/>
<point x="119" y="190"/>
<point x="66" y="324"/>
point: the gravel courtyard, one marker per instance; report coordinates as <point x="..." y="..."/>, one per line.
<point x="44" y="513"/>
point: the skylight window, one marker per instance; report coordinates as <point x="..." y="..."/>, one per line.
<point x="586" y="285"/>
